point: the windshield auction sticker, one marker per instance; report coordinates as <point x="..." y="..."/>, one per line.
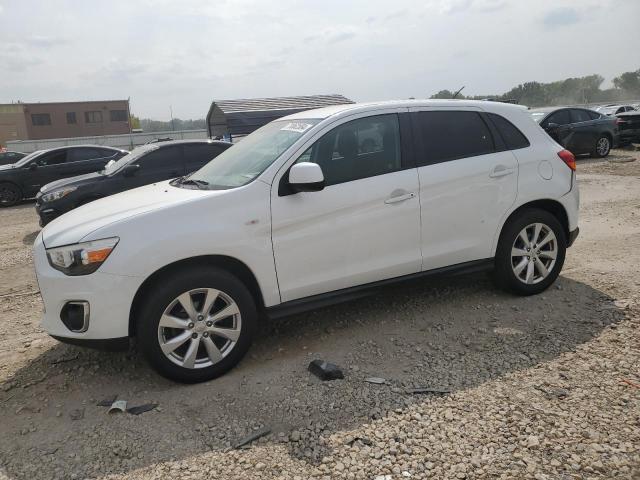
<point x="298" y="127"/>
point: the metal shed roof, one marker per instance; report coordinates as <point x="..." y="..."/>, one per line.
<point x="241" y="117"/>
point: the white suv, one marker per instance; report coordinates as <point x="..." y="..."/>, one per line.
<point x="309" y="209"/>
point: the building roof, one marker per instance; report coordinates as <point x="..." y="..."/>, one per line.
<point x="243" y="116"/>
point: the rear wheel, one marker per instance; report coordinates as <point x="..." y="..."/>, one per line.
<point x="196" y="325"/>
<point x="10" y="194"/>
<point x="530" y="252"/>
<point x="602" y="147"/>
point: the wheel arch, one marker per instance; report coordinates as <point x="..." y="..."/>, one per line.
<point x="229" y="264"/>
<point x="554" y="207"/>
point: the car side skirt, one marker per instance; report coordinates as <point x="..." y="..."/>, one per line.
<point x="293" y="307"/>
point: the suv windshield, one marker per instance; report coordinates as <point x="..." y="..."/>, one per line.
<point x="248" y="158"/>
<point x="113" y="166"/>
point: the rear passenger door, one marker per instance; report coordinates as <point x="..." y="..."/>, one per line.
<point x="467" y="184"/>
<point x="585" y="131"/>
<point x="197" y="155"/>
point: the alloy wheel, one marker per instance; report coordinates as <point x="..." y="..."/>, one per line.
<point x="603" y="146"/>
<point x="8" y="195"/>
<point x="199" y="328"/>
<point x="534" y="252"/>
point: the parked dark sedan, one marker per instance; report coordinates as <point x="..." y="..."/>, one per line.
<point x="24" y="178"/>
<point x="7" y="158"/>
<point x="144" y="165"/>
<point x="579" y="130"/>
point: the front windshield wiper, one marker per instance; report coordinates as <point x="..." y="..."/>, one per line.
<point x="191" y="181"/>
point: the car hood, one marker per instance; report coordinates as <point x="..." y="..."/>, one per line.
<point x="8" y="166"/>
<point x="72" y="182"/>
<point x="75" y="225"/>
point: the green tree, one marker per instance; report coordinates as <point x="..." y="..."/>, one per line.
<point x="628" y="81"/>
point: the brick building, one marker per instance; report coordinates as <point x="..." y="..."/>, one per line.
<point x="36" y="121"/>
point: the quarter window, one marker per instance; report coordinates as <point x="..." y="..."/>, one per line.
<point x="118" y="115"/>
<point x="449" y="135"/>
<point x="93" y="117"/>
<point x="40" y="119"/>
<point x="358" y="149"/>
<point x="71" y="117"/>
<point x="513" y="138"/>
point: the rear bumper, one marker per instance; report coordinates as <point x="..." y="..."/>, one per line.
<point x="572" y="237"/>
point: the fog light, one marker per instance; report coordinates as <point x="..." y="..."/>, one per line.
<point x="75" y="316"/>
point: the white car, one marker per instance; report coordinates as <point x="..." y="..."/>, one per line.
<point x="310" y="209"/>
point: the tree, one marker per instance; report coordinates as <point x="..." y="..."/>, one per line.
<point x="134" y="122"/>
<point x="628" y="81"/>
<point x="445" y="94"/>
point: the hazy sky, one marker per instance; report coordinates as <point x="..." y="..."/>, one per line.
<point x="187" y="53"/>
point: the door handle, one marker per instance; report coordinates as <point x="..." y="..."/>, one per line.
<point x="399" y="198"/>
<point x="501" y="171"/>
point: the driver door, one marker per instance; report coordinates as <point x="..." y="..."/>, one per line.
<point x="364" y="226"/>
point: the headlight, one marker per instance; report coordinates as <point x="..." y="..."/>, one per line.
<point x="57" y="194"/>
<point x="81" y="258"/>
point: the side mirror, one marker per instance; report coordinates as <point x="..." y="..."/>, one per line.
<point x="551" y="126"/>
<point x="306" y="177"/>
<point x="130" y="170"/>
<point x="33" y="166"/>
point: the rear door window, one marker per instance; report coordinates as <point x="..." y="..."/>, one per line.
<point x="449" y="135"/>
<point x="578" y="115"/>
<point x="561" y="117"/>
<point x="197" y="155"/>
<point x="166" y="158"/>
<point x="512" y="136"/>
<point x="79" y="154"/>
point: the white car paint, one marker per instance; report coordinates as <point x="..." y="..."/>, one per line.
<point x="345" y="235"/>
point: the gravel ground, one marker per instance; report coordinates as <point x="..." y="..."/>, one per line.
<point x="544" y="387"/>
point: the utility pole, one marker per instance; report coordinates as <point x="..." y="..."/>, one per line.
<point x="173" y="126"/>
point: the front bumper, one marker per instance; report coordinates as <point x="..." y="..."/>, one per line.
<point x="572" y="237"/>
<point x="109" y="296"/>
<point x="46" y="211"/>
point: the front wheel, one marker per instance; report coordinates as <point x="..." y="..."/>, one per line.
<point x="530" y="252"/>
<point x="602" y="147"/>
<point x="196" y="325"/>
<point x="10" y="194"/>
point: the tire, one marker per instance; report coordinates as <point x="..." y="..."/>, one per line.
<point x="10" y="194"/>
<point x="198" y="285"/>
<point x="602" y="147"/>
<point x="510" y="272"/>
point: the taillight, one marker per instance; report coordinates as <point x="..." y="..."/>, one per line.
<point x="619" y="121"/>
<point x="568" y="158"/>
